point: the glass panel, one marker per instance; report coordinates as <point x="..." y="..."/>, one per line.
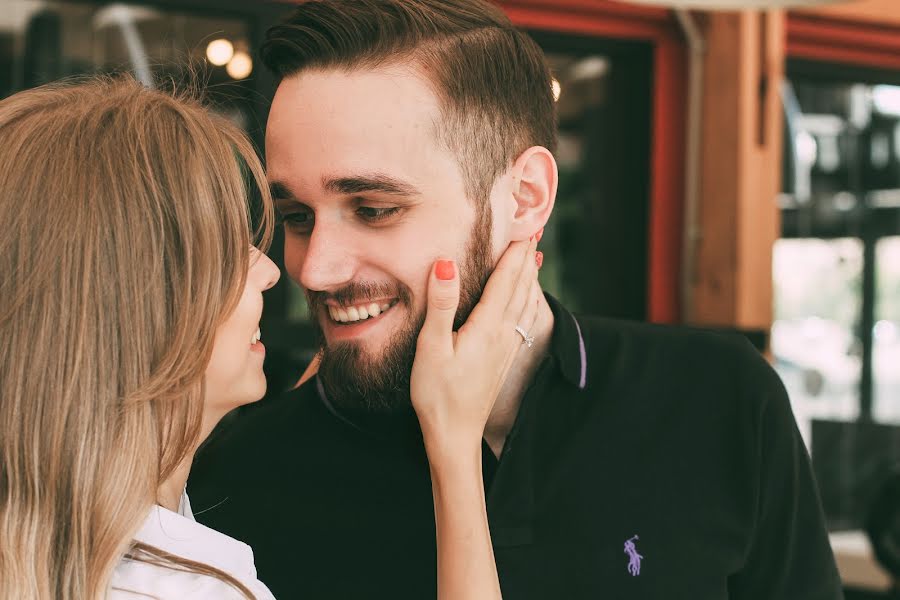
<point x="837" y="283"/>
<point x="886" y="350"/>
<point x="596" y="243"/>
<point x="45" y="41"/>
<point x="817" y="302"/>
<point x="580" y="86"/>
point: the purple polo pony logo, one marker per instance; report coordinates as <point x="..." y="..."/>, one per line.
<point x="634" y="559"/>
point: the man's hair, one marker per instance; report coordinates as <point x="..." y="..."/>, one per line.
<point x="491" y="80"/>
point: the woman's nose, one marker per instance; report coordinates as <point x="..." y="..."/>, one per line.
<point x="263" y="270"/>
<point x="272" y="273"/>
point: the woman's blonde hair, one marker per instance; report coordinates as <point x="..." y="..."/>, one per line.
<point x="127" y="228"/>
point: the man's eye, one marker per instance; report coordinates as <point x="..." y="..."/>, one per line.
<point x="298" y="221"/>
<point x="370" y="213"/>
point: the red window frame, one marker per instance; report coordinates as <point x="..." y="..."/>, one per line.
<point x="843" y="41"/>
<point x="657" y="26"/>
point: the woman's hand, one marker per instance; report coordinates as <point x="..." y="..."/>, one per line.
<point x="457" y="376"/>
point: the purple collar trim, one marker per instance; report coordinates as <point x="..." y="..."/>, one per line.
<point x="583" y="379"/>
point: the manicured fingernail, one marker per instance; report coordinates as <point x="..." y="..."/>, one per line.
<point x="539" y="259"/>
<point x="540" y="234"/>
<point x="445" y="270"/>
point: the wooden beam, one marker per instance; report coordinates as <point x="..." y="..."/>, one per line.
<point x="740" y="170"/>
<point x="874" y="11"/>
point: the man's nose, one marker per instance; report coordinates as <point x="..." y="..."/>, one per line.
<point x="329" y="263"/>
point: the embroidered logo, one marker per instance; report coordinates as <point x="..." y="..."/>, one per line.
<point x="634" y="559"/>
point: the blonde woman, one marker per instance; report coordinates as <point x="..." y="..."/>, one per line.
<point x="130" y="300"/>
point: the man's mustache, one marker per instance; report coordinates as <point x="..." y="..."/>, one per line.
<point x="359" y="292"/>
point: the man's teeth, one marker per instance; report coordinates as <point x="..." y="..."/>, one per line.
<point x="256" y="336"/>
<point x="351" y="314"/>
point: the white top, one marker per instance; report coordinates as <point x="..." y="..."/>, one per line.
<point x="180" y="534"/>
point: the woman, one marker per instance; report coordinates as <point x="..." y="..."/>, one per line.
<point x="129" y="312"/>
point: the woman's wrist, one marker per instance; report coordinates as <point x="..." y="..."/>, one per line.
<point x="453" y="459"/>
<point x="458" y="481"/>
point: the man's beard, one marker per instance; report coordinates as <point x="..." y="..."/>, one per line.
<point x="353" y="378"/>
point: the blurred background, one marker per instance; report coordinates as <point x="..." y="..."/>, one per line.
<point x="730" y="170"/>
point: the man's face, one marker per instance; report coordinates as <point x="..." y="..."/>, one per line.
<point x="370" y="200"/>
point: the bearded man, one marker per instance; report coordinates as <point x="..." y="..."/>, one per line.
<point x="620" y="461"/>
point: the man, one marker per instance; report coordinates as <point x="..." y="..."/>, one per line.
<point x="621" y="461"/>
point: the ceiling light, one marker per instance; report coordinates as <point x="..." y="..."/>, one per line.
<point x="219" y="52"/>
<point x="240" y="66"/>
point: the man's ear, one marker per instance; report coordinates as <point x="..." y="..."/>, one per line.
<point x="534" y="189"/>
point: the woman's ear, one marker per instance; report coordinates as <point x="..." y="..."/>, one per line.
<point x="535" y="179"/>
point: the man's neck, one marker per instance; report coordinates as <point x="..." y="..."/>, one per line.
<point x="523" y="370"/>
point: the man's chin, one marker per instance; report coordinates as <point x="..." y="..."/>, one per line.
<point x="354" y="381"/>
<point x="368" y="375"/>
<point x="355" y="356"/>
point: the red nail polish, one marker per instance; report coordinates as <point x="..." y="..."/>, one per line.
<point x="540" y="234"/>
<point x="539" y="259"/>
<point x="445" y="270"/>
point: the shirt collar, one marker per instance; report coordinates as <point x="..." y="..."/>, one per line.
<point x="567" y="344"/>
<point x="511" y="498"/>
<point x="181" y="535"/>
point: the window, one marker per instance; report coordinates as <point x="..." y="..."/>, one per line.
<point x="886" y="333"/>
<point x="42" y="42"/>
<point x="836" y="336"/>
<point x="817" y="303"/>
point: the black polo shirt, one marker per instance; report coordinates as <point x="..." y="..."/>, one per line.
<point x="646" y="462"/>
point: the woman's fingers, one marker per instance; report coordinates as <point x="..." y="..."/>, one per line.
<point x="522" y="290"/>
<point x="530" y="310"/>
<point x="502" y="283"/>
<point x="443" y="300"/>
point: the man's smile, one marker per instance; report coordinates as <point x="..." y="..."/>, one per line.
<point x="361" y="311"/>
<point x="342" y="322"/>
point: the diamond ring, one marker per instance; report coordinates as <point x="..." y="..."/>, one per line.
<point x="526" y="339"/>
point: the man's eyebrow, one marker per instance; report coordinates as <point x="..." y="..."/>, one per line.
<point x="280" y="191"/>
<point x="376" y="182"/>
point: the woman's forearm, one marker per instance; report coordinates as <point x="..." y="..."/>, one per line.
<point x="466" y="568"/>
